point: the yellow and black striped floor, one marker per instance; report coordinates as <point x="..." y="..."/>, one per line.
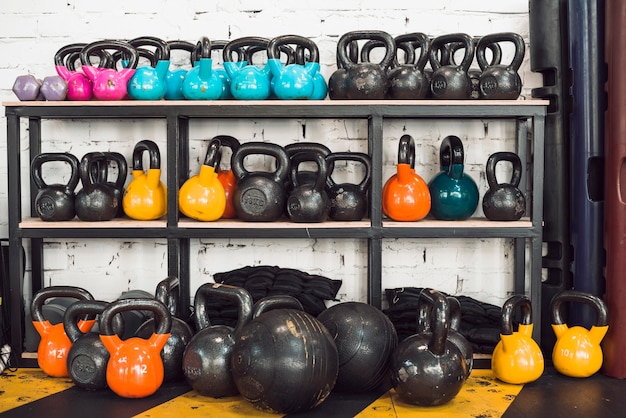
<point x="30" y="393"/>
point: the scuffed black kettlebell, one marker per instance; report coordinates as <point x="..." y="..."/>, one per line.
<point x="504" y="201"/>
<point x="498" y="81"/>
<point x="96" y="201"/>
<point x="308" y="202"/>
<point x="454" y="336"/>
<point x="337" y="80"/>
<point x="207" y="358"/>
<point x="451" y="81"/>
<point x="87" y="359"/>
<point x="167" y="292"/>
<point x="407" y="81"/>
<point x="366" y="80"/>
<point x="475" y="72"/>
<point x="284" y="360"/>
<point x="298" y="174"/>
<point x="55" y="202"/>
<point x="427" y="369"/>
<point x="348" y="201"/>
<point x="260" y="195"/>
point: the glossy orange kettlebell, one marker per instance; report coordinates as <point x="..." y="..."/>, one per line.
<point x="577" y="351"/>
<point x="202" y="196"/>
<point x="517" y="358"/>
<point x="227" y="177"/>
<point x="145" y="197"/>
<point x="135" y="368"/>
<point x="405" y="195"/>
<point x="55" y="344"/>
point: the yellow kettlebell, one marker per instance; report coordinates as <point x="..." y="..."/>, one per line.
<point x="145" y="197"/>
<point x="577" y="351"/>
<point x="517" y="358"/>
<point x="202" y="197"/>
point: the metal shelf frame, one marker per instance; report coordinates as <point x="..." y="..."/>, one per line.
<point x="529" y="116"/>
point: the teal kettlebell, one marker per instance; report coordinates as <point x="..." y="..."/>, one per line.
<point x="293" y="81"/>
<point x="175" y="77"/>
<point x="148" y="82"/>
<point x="247" y="81"/>
<point x="454" y="194"/>
<point x="202" y="82"/>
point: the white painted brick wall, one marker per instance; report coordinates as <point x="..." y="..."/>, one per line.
<point x="31" y="31"/>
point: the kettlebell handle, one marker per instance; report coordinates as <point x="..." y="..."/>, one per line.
<point x="265" y="148"/>
<point x="359" y="157"/>
<point x="133" y="56"/>
<point x="348" y="37"/>
<point x="181" y="45"/>
<point x="201" y="50"/>
<point x="167" y="292"/>
<point x="406" y="150"/>
<point x="578" y="297"/>
<point x="213" y="154"/>
<point x="162" y="48"/>
<point x="52" y="292"/>
<point x="273" y="51"/>
<point x="320" y="161"/>
<point x="423" y="314"/>
<point x="163" y="319"/>
<point x="416" y="40"/>
<point x="228" y="142"/>
<point x="122" y="167"/>
<point x="451" y="153"/>
<point x="496" y="50"/>
<point x="86" y="307"/>
<point x="42" y="158"/>
<point x="90" y="161"/>
<point x="441" y="41"/>
<point x="241" y="43"/>
<point x="510" y="305"/>
<point x="494" y="38"/>
<point x="236" y="294"/>
<point x="494" y="159"/>
<point x="439" y="320"/>
<point x="269" y="303"/>
<point x="152" y="149"/>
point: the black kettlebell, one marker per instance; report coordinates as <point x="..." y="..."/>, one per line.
<point x="337" y="80"/>
<point x="498" y="81"/>
<point x="423" y="325"/>
<point x="260" y="195"/>
<point x="365" y="338"/>
<point x="474" y="73"/>
<point x="366" y="80"/>
<point x="96" y="201"/>
<point x="284" y="360"/>
<point x="207" y="358"/>
<point x="451" y="81"/>
<point x="427" y="369"/>
<point x="308" y="202"/>
<point x="55" y="202"/>
<point x="87" y="358"/>
<point x="504" y="201"/>
<point x="348" y="201"/>
<point x="113" y="161"/>
<point x="407" y="81"/>
<point x="167" y="292"/>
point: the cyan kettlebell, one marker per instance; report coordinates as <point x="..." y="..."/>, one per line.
<point x="202" y="82"/>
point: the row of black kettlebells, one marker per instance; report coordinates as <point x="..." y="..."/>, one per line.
<point x="294" y="358"/>
<point x="401" y="73"/>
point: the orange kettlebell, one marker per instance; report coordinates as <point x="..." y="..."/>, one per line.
<point x="55" y="344"/>
<point x="577" y="351"/>
<point x="227" y="177"/>
<point x="517" y="358"/>
<point x="202" y="196"/>
<point x="135" y="368"/>
<point x="145" y="197"/>
<point x="405" y="195"/>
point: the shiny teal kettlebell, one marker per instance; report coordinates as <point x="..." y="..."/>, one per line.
<point x="247" y="81"/>
<point x="176" y="76"/>
<point x="202" y="82"/>
<point x="293" y="81"/>
<point x="454" y="194"/>
<point x="148" y="82"/>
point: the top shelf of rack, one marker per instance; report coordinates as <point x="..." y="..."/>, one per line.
<point x="280" y="109"/>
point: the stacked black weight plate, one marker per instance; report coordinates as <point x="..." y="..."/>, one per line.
<point x="548" y="56"/>
<point x="586" y="56"/>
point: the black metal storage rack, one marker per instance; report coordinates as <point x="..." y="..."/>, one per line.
<point x="529" y="117"/>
